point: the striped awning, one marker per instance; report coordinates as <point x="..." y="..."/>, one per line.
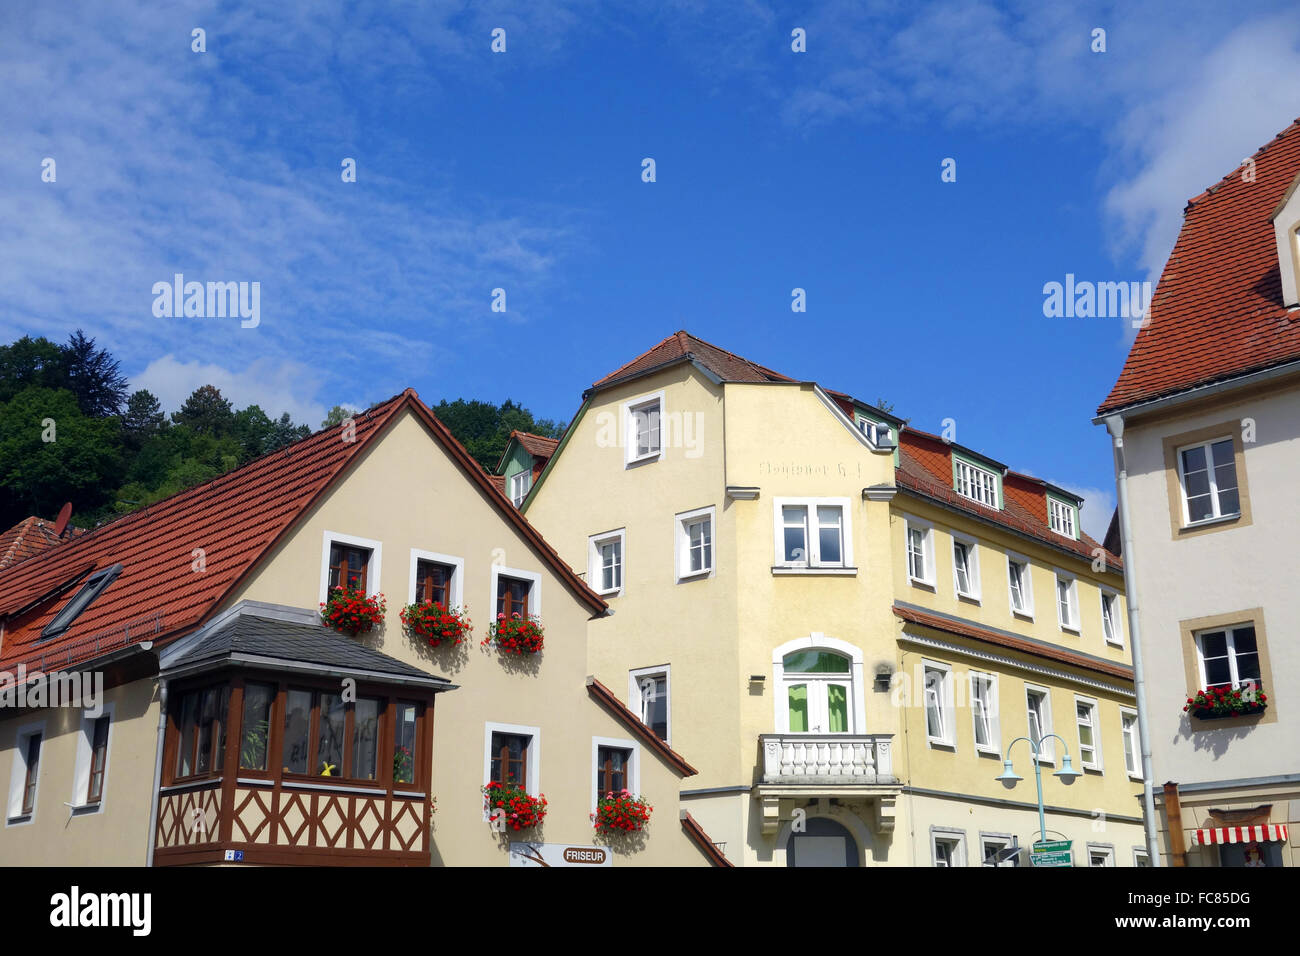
<point x="1269" y="833"/>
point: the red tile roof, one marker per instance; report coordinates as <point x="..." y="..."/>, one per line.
<point x="538" y="446"/>
<point x="618" y="709"/>
<point x="1217" y="311"/>
<point x="30" y="537"/>
<point x="925" y="467"/>
<point x="701" y="839"/>
<point x="965" y="629"/>
<point x="235" y="518"/>
<point x="682" y="345"/>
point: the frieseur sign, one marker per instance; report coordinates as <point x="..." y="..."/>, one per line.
<point x="558" y="854"/>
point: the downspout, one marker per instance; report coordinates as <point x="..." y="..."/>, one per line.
<point x="157" y="768"/>
<point x="1115" y="425"/>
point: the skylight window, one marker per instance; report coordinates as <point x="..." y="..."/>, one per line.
<point x="93" y="587"/>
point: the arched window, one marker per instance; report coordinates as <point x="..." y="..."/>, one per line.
<point x="818" y="691"/>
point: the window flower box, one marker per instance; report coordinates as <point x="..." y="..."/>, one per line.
<point x="515" y="634"/>
<point x="1214" y="703"/>
<point x="436" y="624"/>
<point x="622" y="813"/>
<point x="352" y="612"/>
<point x="514" y="806"/>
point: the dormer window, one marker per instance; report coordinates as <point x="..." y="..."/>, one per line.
<point x="92" y="589"/>
<point x="977" y="484"/>
<point x="878" y="433"/>
<point x="1063" y="517"/>
<point x="520" y="485"/>
<point x="1286" y="230"/>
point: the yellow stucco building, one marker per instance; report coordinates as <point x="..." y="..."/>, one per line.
<point x="843" y="620"/>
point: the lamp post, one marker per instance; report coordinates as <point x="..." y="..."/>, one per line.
<point x="1010" y="778"/>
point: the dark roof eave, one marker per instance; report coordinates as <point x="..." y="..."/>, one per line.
<point x="1196" y="390"/>
<point x="238" y="659"/>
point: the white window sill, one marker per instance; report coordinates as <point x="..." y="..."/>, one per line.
<point x="969" y="597"/>
<point x="615" y="592"/>
<point x="1047" y="761"/>
<point x="1093" y="768"/>
<point x="1027" y="615"/>
<point x="654" y="456"/>
<point x="693" y="575"/>
<point x="989" y="751"/>
<point x="942" y="744"/>
<point x="1073" y="630"/>
<point x="1119" y="644"/>
<point x="922" y="583"/>
<point x="19" y="820"/>
<point x="1136" y="778"/>
<point x="840" y="571"/>
<point x="1204" y="522"/>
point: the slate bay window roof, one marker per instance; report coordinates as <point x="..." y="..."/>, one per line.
<point x="285" y="639"/>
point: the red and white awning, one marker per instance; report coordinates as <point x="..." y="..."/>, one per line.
<point x="1269" y="833"/>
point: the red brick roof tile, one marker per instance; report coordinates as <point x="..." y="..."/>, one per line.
<point x="30" y="537"/>
<point x="1217" y="311"/>
<point x="682" y="345"/>
<point x="539" y="446"/>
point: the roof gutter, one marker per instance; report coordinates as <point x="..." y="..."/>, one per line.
<point x="1197" y="392"/>
<point x="1115" y="425"/>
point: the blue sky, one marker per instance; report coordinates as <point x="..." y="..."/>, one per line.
<point x="522" y="170"/>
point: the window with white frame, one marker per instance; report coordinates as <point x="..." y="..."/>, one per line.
<point x="1228" y="657"/>
<point x="437" y="578"/>
<point x="644" y="432"/>
<point x="605" y="562"/>
<point x="1140" y="857"/>
<point x="1038" y="704"/>
<point x="1128" y="720"/>
<point x="818" y="688"/>
<point x="975" y="483"/>
<point x="90" y="770"/>
<point x="966" y="567"/>
<point x="1020" y="585"/>
<point x="1111" y="625"/>
<point x="920" y="551"/>
<point x="648" y="696"/>
<point x="512" y="756"/>
<point x="25" y="778"/>
<point x="515" y="591"/>
<point x="1067" y="601"/>
<point x="984" y="711"/>
<point x="1101" y="854"/>
<point x="1207" y="474"/>
<point x="349" y="562"/>
<point x="938" y="692"/>
<point x="1089" y="727"/>
<point x="520" y="485"/>
<point x="1062" y="517"/>
<point x="992" y="845"/>
<point x="813" y="533"/>
<point x="694" y="537"/>
<point x="615" y="767"/>
<point x="947" y="846"/>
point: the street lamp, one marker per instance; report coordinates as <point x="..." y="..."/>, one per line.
<point x="1009" y="778"/>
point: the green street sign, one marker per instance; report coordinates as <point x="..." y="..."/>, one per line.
<point x="1051" y="853"/>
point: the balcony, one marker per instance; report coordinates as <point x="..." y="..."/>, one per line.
<point x="851" y="767"/>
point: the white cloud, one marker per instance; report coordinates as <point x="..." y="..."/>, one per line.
<point x="283" y="386"/>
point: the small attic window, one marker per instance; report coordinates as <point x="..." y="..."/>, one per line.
<point x="92" y="589"/>
<point x="1063" y="518"/>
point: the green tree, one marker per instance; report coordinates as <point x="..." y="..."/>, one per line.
<point x="37" y="475"/>
<point x="94" y="376"/>
<point x="286" y="432"/>
<point x="337" y="415"/>
<point x="255" y="432"/>
<point x="142" y="420"/>
<point x="207" y="412"/>
<point x="29" y="362"/>
<point x="484" y="429"/>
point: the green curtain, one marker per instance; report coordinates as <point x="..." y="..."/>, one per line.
<point x="838" y="706"/>
<point x="798" y="708"/>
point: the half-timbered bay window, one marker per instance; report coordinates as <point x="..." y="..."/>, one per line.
<point x="310" y="732"/>
<point x="287" y="743"/>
